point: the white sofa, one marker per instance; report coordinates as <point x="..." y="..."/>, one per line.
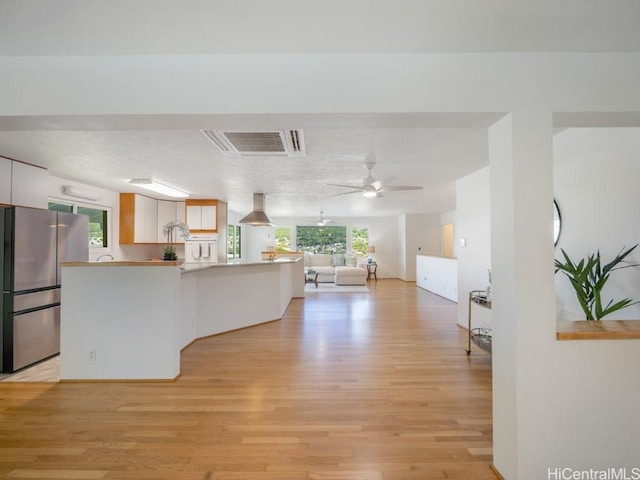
<point x="341" y="269"/>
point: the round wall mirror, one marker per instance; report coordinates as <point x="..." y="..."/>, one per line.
<point x="557" y="222"/>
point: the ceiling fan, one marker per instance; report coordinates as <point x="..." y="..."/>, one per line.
<point x="324" y="221"/>
<point x="371" y="187"/>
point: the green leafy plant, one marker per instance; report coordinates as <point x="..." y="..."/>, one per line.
<point x="169" y="251"/>
<point x="588" y="277"/>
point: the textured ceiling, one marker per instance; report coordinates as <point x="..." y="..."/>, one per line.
<point x="430" y="157"/>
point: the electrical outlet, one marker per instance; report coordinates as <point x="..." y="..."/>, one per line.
<point x="92" y="355"/>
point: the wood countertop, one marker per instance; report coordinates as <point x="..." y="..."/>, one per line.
<point x="125" y="263"/>
<point x="598" y="330"/>
<point x="195" y="267"/>
<point x="185" y="267"/>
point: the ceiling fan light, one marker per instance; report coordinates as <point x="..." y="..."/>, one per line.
<point x="370" y="193"/>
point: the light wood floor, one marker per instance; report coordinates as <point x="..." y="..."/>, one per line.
<point x="348" y="386"/>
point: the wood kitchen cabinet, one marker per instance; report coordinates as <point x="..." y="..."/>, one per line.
<point x="138" y="219"/>
<point x="202" y="215"/>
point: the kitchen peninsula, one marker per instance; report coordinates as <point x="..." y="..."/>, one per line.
<point x="130" y="320"/>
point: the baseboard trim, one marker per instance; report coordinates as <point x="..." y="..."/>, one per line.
<point x="121" y="380"/>
<point x="496" y="472"/>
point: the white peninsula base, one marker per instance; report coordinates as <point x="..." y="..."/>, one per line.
<point x="130" y="320"/>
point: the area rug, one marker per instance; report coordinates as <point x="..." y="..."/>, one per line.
<point x="332" y="287"/>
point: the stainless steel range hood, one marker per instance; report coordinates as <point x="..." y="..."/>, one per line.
<point x="257" y="217"/>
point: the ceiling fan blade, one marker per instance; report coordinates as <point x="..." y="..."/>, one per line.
<point x="346" y="193"/>
<point x="396" y="188"/>
<point x="359" y="187"/>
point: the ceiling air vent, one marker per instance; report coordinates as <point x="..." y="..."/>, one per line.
<point x="289" y="143"/>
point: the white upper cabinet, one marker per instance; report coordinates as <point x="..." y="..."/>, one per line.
<point x="5" y="180"/>
<point x="142" y="219"/>
<point x="202" y="217"/>
<point x="145" y="220"/>
<point x="170" y="211"/>
<point x="29" y="186"/>
<point x="208" y="217"/>
<point x="138" y="219"/>
<point x="180" y="212"/>
<point x="150" y="220"/>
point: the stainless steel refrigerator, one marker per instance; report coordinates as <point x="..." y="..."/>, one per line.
<point x="35" y="242"/>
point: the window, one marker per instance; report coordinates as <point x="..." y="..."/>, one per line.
<point x="283" y="239"/>
<point x="98" y="221"/>
<point x="359" y="240"/>
<point x="234" y="242"/>
<point x="322" y="239"/>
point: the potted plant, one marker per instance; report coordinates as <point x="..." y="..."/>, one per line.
<point x="588" y="277"/>
<point x="169" y="251"/>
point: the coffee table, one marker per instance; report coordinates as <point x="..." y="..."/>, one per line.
<point x="311" y="276"/>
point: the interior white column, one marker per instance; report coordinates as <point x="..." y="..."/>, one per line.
<point x="523" y="312"/>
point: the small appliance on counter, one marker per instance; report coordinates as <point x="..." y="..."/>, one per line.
<point x="35" y="242"/>
<point x="201" y="248"/>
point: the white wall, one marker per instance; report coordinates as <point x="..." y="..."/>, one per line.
<point x="597" y="187"/>
<point x="473" y="224"/>
<point x="257" y="239"/>
<point x="451" y="218"/>
<point x="438" y="275"/>
<point x="421" y="237"/>
<point x="401" y="254"/>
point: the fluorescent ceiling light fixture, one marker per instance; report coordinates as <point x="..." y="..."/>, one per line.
<point x="154" y="186"/>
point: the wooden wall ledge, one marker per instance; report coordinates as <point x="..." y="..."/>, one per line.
<point x="598" y="330"/>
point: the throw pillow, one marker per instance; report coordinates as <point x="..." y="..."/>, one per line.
<point x="321" y="260"/>
<point x="350" y="260"/>
<point x="338" y="259"/>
